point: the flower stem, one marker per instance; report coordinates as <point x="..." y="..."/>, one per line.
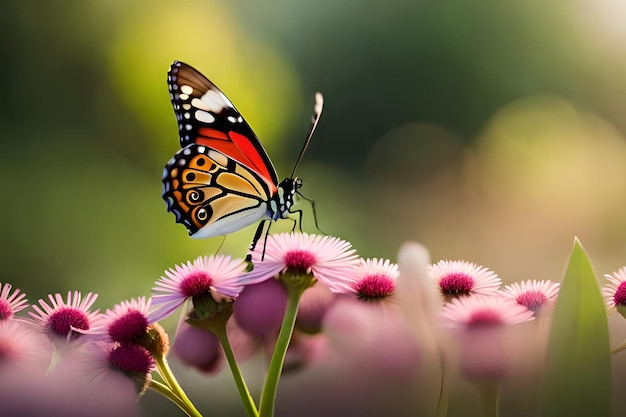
<point x="171" y="382"/>
<point x="444" y="391"/>
<point x="244" y="393"/>
<point x="490" y="392"/>
<point x="167" y="393"/>
<point x="268" y="395"/>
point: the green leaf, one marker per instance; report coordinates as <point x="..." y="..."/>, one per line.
<point x="577" y="380"/>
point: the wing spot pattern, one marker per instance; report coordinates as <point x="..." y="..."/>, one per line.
<point x="204" y="116"/>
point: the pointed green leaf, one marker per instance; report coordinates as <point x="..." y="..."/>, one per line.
<point x="577" y="380"/>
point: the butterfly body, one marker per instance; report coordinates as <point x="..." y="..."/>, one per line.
<point x="222" y="180"/>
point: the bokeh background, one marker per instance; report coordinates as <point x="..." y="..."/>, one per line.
<point x="488" y="131"/>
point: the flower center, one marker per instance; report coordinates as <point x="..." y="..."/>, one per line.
<point x="485" y="318"/>
<point x="299" y="261"/>
<point x="455" y="285"/>
<point x="6" y="312"/>
<point x="131" y="359"/>
<point x="532" y="300"/>
<point x="8" y="352"/>
<point x="375" y="287"/>
<point x="129" y="327"/>
<point x="620" y="295"/>
<point x="196" y="284"/>
<point x="63" y="320"/>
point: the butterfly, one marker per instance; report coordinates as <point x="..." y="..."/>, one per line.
<point x="222" y="180"/>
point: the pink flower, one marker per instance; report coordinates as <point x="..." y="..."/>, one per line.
<point x="481" y="310"/>
<point x="82" y="384"/>
<point x="198" y="348"/>
<point x="260" y="308"/>
<point x="314" y="304"/>
<point x="217" y="276"/>
<point x="534" y="295"/>
<point x="615" y="291"/>
<point x="11" y="303"/>
<point x="66" y="319"/>
<point x="375" y="279"/>
<point x="133" y="361"/>
<point x="23" y="349"/>
<point x="332" y="261"/>
<point x="128" y="321"/>
<point x="456" y="279"/>
<point x="481" y="324"/>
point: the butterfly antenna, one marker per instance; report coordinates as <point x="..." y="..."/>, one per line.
<point x="317" y="113"/>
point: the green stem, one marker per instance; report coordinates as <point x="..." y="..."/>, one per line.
<point x="244" y="393"/>
<point x="171" y="382"/>
<point x="490" y="392"/>
<point x="167" y="393"/>
<point x="268" y="395"/>
<point x="444" y="392"/>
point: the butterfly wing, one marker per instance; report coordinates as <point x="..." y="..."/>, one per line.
<point x="211" y="193"/>
<point x="222" y="179"/>
<point x="207" y="117"/>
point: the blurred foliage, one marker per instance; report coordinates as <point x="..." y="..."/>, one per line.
<point x="491" y="131"/>
<point x="459" y="124"/>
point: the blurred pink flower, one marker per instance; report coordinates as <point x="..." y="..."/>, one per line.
<point x="198" y="348"/>
<point x="66" y="319"/>
<point x="330" y="260"/>
<point x="260" y="308"/>
<point x="314" y="304"/>
<point x="217" y="275"/>
<point x="534" y="295"/>
<point x="455" y="279"/>
<point x="481" y="322"/>
<point x="23" y="349"/>
<point x="11" y="303"/>
<point x="370" y="334"/>
<point x="481" y="310"/>
<point x="82" y="384"/>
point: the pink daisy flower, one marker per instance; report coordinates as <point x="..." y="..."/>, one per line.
<point x="215" y="275"/>
<point x="22" y="349"/>
<point x="482" y="310"/>
<point x="133" y="361"/>
<point x="82" y="384"/>
<point x="66" y="319"/>
<point x="534" y="295"/>
<point x="128" y="321"/>
<point x="615" y="291"/>
<point x="481" y="327"/>
<point x="455" y="279"/>
<point x="375" y="279"/>
<point x="330" y="260"/>
<point x="11" y="303"/>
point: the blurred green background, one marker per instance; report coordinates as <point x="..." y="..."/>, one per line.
<point x="488" y="131"/>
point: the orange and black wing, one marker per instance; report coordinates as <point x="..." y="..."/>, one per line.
<point x="211" y="193"/>
<point x="208" y="118"/>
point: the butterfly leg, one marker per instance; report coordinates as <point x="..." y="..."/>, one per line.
<point x="314" y="214"/>
<point x="255" y="240"/>
<point x="297" y="221"/>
